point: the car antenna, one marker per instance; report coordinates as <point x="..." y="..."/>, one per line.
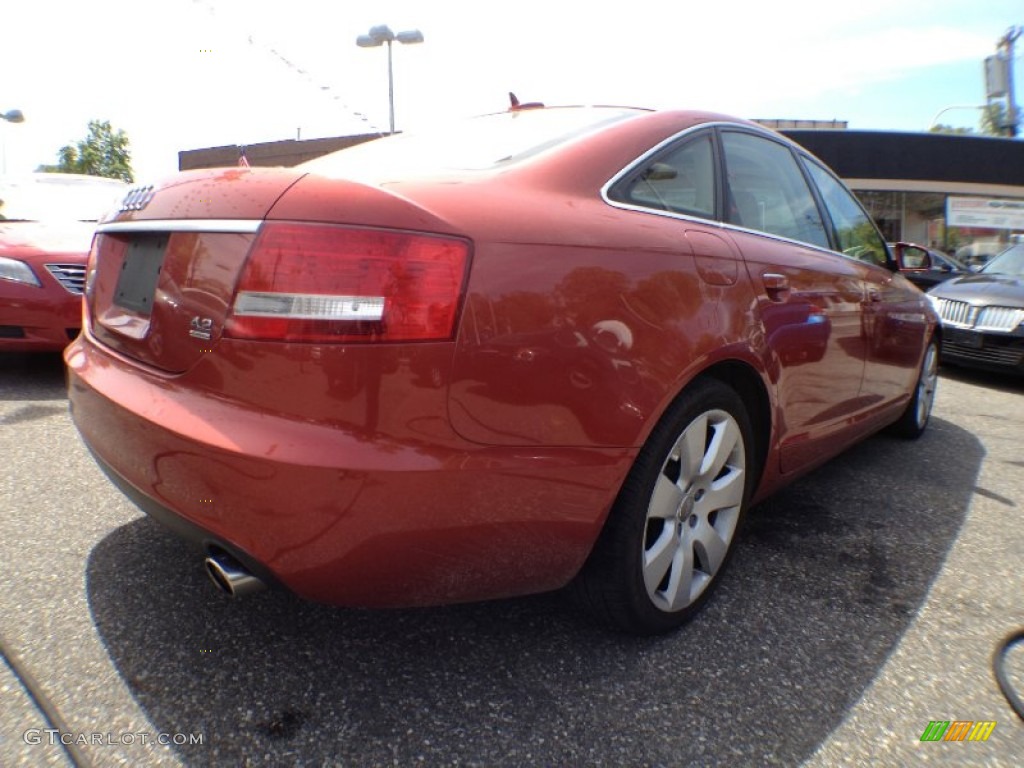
<point x="515" y="106"/>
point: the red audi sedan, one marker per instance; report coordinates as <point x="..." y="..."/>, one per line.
<point x="545" y="347"/>
<point x="46" y="225"/>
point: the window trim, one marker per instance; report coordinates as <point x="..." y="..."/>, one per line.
<point x="634" y="166"/>
<point x="800" y="156"/>
<point x="633" y="171"/>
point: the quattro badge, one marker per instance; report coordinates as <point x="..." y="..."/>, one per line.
<point x="201" y="328"/>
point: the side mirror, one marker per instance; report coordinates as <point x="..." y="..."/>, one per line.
<point x="912" y="257"/>
<point x="660" y="172"/>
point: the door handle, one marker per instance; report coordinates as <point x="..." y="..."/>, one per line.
<point x="874" y="294"/>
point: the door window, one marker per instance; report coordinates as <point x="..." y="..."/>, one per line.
<point x="856" y="234"/>
<point x="767" y="191"/>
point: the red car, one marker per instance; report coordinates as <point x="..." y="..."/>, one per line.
<point x="46" y="225"/>
<point x="549" y="346"/>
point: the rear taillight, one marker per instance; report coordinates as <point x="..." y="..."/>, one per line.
<point x="317" y="282"/>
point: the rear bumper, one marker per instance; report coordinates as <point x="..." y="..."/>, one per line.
<point x="336" y="515"/>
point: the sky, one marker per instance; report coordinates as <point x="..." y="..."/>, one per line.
<point x="187" y="74"/>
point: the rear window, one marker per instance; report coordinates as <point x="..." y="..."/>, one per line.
<point x="476" y="144"/>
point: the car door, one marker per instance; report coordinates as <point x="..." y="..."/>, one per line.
<point x="894" y="323"/>
<point x="811" y="301"/>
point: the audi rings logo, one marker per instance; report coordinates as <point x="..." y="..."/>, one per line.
<point x="137" y="198"/>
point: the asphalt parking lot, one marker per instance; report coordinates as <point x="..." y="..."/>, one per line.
<point x="864" y="602"/>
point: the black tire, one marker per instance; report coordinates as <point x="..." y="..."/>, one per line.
<point x="914" y="420"/>
<point x="670" y="532"/>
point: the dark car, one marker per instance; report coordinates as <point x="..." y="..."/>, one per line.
<point x="927" y="267"/>
<point x="542" y="347"/>
<point x="46" y="225"/>
<point x="983" y="315"/>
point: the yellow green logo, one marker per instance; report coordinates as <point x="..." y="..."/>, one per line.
<point x="958" y="730"/>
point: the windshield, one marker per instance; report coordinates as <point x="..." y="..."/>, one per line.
<point x="945" y="258"/>
<point x="479" y="143"/>
<point x="1009" y="262"/>
<point x="58" y="197"/>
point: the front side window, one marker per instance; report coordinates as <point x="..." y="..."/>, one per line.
<point x="766" y="190"/>
<point x="679" y="180"/>
<point x="858" y="237"/>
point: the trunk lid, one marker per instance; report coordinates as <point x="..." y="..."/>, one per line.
<point x="163" y="270"/>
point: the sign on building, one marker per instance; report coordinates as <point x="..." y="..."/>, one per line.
<point x="996" y="76"/>
<point x="990" y="213"/>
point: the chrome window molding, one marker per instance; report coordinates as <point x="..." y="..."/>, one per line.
<point x="631" y="166"/>
<point x="733" y="228"/>
<point x="240" y="226"/>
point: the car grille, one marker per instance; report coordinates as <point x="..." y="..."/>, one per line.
<point x="956" y="312"/>
<point x="981" y="318"/>
<point x="71" y="276"/>
<point x="1008" y="356"/>
<point x="999" y="319"/>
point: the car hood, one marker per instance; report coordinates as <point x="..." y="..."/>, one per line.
<point x="1004" y="290"/>
<point x="27" y="239"/>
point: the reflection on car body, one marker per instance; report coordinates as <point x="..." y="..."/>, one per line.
<point x="551" y="346"/>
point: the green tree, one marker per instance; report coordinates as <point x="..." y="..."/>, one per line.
<point x="995" y="121"/>
<point x="104" y="152"/>
<point x="943" y="128"/>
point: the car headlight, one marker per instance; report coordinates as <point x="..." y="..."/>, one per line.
<point x="18" y="272"/>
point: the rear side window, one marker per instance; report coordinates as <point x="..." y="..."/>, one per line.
<point x="679" y="180"/>
<point x="767" y="191"/>
<point x="857" y="235"/>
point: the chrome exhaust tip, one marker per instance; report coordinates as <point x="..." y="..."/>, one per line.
<point x="230" y="577"/>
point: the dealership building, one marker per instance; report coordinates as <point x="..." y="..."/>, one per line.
<point x="962" y="194"/>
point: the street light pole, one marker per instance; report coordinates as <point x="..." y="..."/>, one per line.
<point x="1006" y="43"/>
<point x="10" y="116"/>
<point x="378" y="36"/>
<point x="935" y="120"/>
<point x="391" y="93"/>
<point x="999" y="82"/>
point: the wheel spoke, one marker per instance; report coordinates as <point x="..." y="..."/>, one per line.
<point x="725" y="492"/>
<point x="691" y="449"/>
<point x="666" y="499"/>
<point x="710" y="546"/>
<point x="926" y="386"/>
<point x="658" y="558"/>
<point x="723" y="443"/>
<point x="680" y="585"/>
